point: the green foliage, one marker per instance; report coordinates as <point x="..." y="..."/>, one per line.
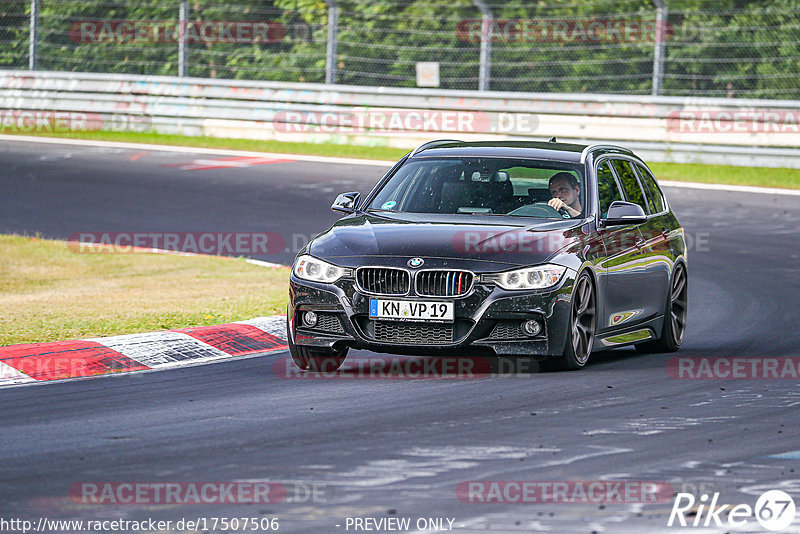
<point x="14" y="34"/>
<point x="728" y="48"/>
<point x="742" y="49"/>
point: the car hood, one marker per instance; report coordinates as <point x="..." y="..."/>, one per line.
<point x="508" y="240"/>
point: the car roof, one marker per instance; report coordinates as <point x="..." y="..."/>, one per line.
<point x="551" y="150"/>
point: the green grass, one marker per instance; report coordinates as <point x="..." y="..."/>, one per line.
<point x="728" y="174"/>
<point x="48" y="292"/>
<point x="715" y="174"/>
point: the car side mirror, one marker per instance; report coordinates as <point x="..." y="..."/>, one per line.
<point x="621" y="212"/>
<point x="346" y="202"/>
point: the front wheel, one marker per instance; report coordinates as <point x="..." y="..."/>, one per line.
<point x="316" y="360"/>
<point x="580" y="334"/>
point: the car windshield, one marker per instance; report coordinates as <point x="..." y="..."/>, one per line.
<point x="484" y="186"/>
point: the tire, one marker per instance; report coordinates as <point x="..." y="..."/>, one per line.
<point x="581" y="328"/>
<point x="315" y="360"/>
<point x="674" y="328"/>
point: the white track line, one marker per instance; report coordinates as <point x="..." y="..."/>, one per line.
<point x="195" y="150"/>
<point x="261" y="263"/>
<point x="734" y="188"/>
<point x="146" y="250"/>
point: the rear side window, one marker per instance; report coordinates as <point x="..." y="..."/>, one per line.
<point x="607" y="188"/>
<point x="652" y="189"/>
<point x="633" y="192"/>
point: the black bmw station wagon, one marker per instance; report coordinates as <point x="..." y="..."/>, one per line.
<point x="539" y="250"/>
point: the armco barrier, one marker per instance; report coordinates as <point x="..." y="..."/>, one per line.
<point x="705" y="130"/>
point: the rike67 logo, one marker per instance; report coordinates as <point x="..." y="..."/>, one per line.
<point x="774" y="510"/>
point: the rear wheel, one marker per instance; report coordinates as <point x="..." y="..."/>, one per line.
<point x="674" y="316"/>
<point x="581" y="325"/>
<point x="316" y="360"/>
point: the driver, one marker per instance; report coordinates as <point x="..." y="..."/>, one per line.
<point x="566" y="193"/>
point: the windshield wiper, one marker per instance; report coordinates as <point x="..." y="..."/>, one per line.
<point x="516" y="215"/>
<point x="490" y="214"/>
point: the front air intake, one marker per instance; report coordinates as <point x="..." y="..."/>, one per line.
<point x="383" y="280"/>
<point x="451" y="283"/>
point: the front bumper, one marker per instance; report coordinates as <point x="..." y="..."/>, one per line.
<point x="487" y="319"/>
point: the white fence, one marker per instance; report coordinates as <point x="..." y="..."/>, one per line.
<point x="705" y="130"/>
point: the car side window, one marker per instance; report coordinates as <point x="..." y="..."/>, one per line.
<point x="627" y="177"/>
<point x="647" y="195"/>
<point x="606" y="188"/>
<point x="652" y="187"/>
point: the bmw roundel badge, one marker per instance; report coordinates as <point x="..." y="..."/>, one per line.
<point x="415" y="262"/>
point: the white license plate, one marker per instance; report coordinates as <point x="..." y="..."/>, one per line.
<point x="411" y="310"/>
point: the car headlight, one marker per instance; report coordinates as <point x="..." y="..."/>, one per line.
<point x="540" y="277"/>
<point x="316" y="270"/>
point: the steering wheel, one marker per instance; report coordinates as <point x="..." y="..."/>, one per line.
<point x="538" y="209"/>
<point x="563" y="212"/>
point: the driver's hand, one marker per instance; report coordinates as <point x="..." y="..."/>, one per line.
<point x="556" y="203"/>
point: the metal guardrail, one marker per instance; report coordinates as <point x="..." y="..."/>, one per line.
<point x="704" y="130"/>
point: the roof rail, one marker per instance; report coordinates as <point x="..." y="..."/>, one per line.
<point x="431" y="144"/>
<point x="585" y="151"/>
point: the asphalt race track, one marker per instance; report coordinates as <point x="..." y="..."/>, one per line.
<point x="393" y="447"/>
